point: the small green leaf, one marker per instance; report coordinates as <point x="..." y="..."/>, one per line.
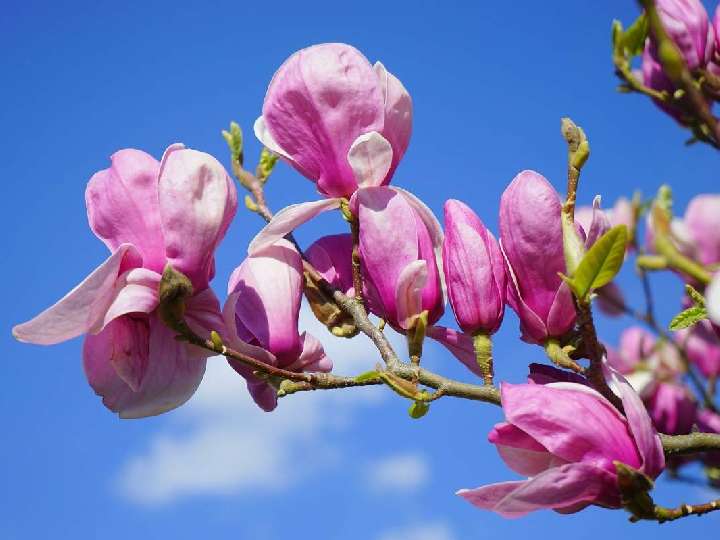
<point x="689" y="317"/>
<point x="234" y="140"/>
<point x="418" y="409"/>
<point x="601" y="262"/>
<point x="367" y="376"/>
<point x="693" y="293"/>
<point x="633" y="39"/>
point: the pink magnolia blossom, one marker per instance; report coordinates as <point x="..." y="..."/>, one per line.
<point x="261" y="315"/>
<point x="565" y="437"/>
<point x="340" y="121"/>
<point x="714" y="64"/>
<point x="531" y="239"/>
<point x="331" y="256"/>
<point x="399" y="251"/>
<point x="655" y="371"/>
<point x="149" y="214"/>
<point x="687" y="24"/>
<point x="709" y="422"/>
<point x="474" y="270"/>
<point x="702" y="221"/>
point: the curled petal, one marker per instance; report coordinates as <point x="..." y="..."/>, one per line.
<point x="264" y="136"/>
<point x="370" y="157"/>
<point x="459" y="344"/>
<point x="646" y="438"/>
<point x="287" y="220"/>
<point x="331" y="256"/>
<point x="80" y="309"/>
<point x="557" y="488"/>
<point x="408" y="292"/>
<point x="197" y="203"/>
<point x="136" y="291"/>
<point x="312" y="357"/>
<point x="398" y="114"/>
<point x="520" y="452"/>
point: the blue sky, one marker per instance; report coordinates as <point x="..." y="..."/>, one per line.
<point x="490" y="82"/>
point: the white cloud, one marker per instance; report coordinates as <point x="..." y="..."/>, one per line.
<point x="401" y="472"/>
<point x="222" y="443"/>
<point x="422" y="531"/>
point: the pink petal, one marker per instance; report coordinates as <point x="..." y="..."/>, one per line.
<point x="136" y="291"/>
<point x="532" y="327"/>
<point x="265" y="137"/>
<point x="398" y="115"/>
<point x="561" y="316"/>
<point x="572" y="421"/>
<point x="268" y="305"/>
<point x="702" y="219"/>
<point x="234" y="340"/>
<point x="459" y="344"/>
<point x="331" y="256"/>
<point x="80" y="309"/>
<point x="370" y="157"/>
<point x="170" y="375"/>
<point x="556" y="488"/>
<point x="520" y="452"/>
<point x="197" y="203"/>
<point x="287" y="220"/>
<point x="122" y="206"/>
<point x="646" y="438"/>
<point x="434" y="230"/>
<point x="312" y="357"/>
<point x="408" y="292"/>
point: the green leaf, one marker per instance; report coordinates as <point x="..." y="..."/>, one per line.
<point x="633" y="39"/>
<point x="367" y="376"/>
<point x="234" y="140"/>
<point x="418" y="409"/>
<point x="601" y="262"/>
<point x="696" y="296"/>
<point x="689" y="317"/>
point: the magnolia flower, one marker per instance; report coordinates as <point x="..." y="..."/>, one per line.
<point x="702" y="345"/>
<point x="702" y="222"/>
<point x="339" y="121"/>
<point x="655" y="371"/>
<point x="566" y="437"/>
<point x="687" y="24"/>
<point x="532" y="241"/>
<point x="149" y="214"/>
<point x="399" y="257"/>
<point x="474" y="270"/>
<point x="261" y="315"/>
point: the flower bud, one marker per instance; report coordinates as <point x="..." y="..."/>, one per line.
<point x="532" y="241"/>
<point x="474" y="270"/>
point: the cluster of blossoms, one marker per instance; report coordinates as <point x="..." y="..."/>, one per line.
<point x="345" y="125"/>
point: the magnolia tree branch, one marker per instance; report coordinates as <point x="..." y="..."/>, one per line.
<point x="292" y="382"/>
